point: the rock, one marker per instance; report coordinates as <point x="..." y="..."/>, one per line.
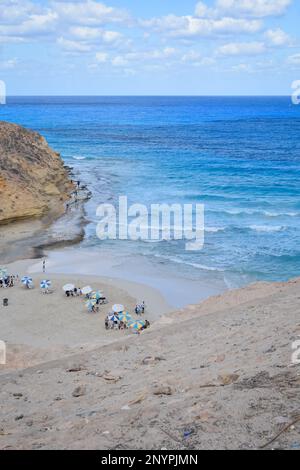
<point x="228" y="379"/>
<point x="162" y="390"/>
<point x="152" y="360"/>
<point x="76" y="369"/>
<point x="79" y="392"/>
<point x="19" y="417"/>
<point x="33" y="179"/>
<point x="111" y="378"/>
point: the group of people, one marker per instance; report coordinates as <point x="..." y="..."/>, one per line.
<point x="74" y="293"/>
<point x="115" y="321"/>
<point x="112" y="322"/>
<point x="140" y="308"/>
<point x="80" y="192"/>
<point x="8" y="281"/>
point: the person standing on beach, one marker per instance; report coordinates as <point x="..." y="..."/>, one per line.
<point x="44" y="266"/>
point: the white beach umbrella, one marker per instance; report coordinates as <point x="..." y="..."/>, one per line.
<point x="86" y="290"/>
<point x="118" y="308"/>
<point x="68" y="287"/>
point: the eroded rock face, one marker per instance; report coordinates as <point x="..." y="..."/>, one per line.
<point x="33" y="180"/>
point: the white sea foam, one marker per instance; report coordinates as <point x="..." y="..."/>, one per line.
<point x="79" y="158"/>
<point x="215" y="229"/>
<point x="267" y="228"/>
<point x="203" y="267"/>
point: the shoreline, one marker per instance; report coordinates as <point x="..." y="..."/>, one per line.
<point x="30" y="237"/>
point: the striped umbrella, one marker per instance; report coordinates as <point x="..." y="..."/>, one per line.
<point x="97" y="295"/>
<point x="125" y="317"/>
<point x="114" y="318"/>
<point x="46" y="284"/>
<point x="136" y="325"/>
<point x="26" y="280"/>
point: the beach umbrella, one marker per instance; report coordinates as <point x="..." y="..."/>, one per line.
<point x="26" y="280"/>
<point x="97" y="295"/>
<point x="3" y="272"/>
<point x="90" y="304"/>
<point x="68" y="287"/>
<point x="113" y="318"/>
<point x="118" y="308"/>
<point x="87" y="290"/>
<point x="125" y="317"/>
<point x="46" y="284"/>
<point x="136" y="325"/>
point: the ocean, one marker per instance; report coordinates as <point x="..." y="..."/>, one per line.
<point x="239" y="156"/>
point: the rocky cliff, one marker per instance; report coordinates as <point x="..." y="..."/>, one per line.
<point x="33" y="180"/>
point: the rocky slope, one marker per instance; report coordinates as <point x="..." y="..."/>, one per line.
<point x="33" y="180"/>
<point x="221" y="379"/>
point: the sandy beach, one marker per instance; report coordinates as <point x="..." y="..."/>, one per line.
<point x="38" y="327"/>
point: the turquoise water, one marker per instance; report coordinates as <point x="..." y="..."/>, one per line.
<point x="238" y="156"/>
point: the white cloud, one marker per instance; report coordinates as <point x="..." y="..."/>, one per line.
<point x="88" y="12"/>
<point x="119" y="61"/>
<point x="101" y="57"/>
<point x="28" y="20"/>
<point x="73" y="46"/>
<point x="294" y="59"/>
<point x="242" y="68"/>
<point x="196" y="59"/>
<point x="8" y="64"/>
<point x="189" y="26"/>
<point x="277" y="37"/>
<point x="242" y="49"/>
<point x="243" y="8"/>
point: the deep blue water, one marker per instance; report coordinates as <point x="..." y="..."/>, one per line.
<point x="238" y="156"/>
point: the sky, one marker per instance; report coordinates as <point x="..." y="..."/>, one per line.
<point x="157" y="47"/>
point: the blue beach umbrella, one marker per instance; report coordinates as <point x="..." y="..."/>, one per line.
<point x="97" y="295"/>
<point x="90" y="304"/>
<point x="45" y="284"/>
<point x="26" y="280"/>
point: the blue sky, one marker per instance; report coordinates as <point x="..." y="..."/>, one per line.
<point x="158" y="47"/>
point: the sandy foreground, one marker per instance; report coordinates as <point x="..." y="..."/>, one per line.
<point x="216" y="375"/>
